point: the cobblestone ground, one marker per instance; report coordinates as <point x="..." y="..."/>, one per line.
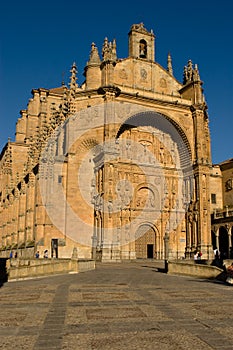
<point x="117" y="306"/>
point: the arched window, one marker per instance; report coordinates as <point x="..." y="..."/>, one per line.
<point x="142" y="49"/>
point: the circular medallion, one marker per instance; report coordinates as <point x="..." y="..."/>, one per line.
<point x="143" y="73"/>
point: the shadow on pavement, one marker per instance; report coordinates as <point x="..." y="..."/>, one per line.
<point x="156" y="268"/>
<point x="213" y="281"/>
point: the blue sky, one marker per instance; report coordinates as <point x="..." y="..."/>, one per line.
<point x="39" y="41"/>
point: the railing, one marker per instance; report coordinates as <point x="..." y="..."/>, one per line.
<point x="223" y="213"/>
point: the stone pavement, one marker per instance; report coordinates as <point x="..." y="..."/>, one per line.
<point x="117" y="306"/>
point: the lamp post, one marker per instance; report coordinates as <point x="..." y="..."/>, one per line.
<point x="166" y="250"/>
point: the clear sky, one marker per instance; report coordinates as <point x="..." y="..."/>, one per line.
<point x="39" y="41"/>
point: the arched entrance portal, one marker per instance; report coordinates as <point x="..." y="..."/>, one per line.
<point x="223" y="242"/>
<point x="213" y="239"/>
<point x="146" y="242"/>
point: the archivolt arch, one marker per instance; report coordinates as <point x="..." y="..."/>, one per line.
<point x="146" y="195"/>
<point x="166" y="125"/>
<point x="147" y="236"/>
<point x="147" y="225"/>
<point x="88" y="144"/>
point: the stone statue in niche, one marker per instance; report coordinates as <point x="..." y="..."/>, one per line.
<point x="145" y="197"/>
<point x="143" y="73"/>
<point x="142" y="49"/>
<point x="123" y="74"/>
<point x="163" y="83"/>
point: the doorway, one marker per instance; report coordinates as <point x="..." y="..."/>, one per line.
<point x="145" y="243"/>
<point x="54" y="248"/>
<point x="150" y="251"/>
<point x="223" y="242"/>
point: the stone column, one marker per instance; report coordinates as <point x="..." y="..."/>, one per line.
<point x="109" y="248"/>
<point x="7" y="218"/>
<point x="95" y="236"/>
<point x="10" y="219"/>
<point x="16" y="214"/>
<point x="22" y="209"/>
<point x="30" y="208"/>
<point x="1" y="224"/>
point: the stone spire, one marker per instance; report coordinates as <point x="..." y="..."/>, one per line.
<point x="73" y="87"/>
<point x="196" y="75"/>
<point x="8" y="160"/>
<point x="114" y="53"/>
<point x="105" y="48"/>
<point x="73" y="84"/>
<point x="190" y="70"/>
<point x="94" y="56"/>
<point x="193" y="82"/>
<point x="188" y="73"/>
<point x="64" y="106"/>
<point x="92" y="71"/>
<point x="109" y="50"/>
<point x="191" y="74"/>
<point x="169" y="64"/>
<point x="185" y="75"/>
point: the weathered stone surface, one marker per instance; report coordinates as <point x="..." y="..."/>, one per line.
<point x="115" y="169"/>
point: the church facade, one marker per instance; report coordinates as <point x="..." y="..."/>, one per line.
<point x="116" y="168"/>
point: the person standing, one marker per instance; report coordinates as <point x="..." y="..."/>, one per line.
<point x="216" y="253"/>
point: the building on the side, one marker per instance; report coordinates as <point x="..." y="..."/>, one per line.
<point x="118" y="167"/>
<point x="222" y="207"/>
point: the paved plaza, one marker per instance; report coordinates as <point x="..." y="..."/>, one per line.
<point x="117" y="306"/>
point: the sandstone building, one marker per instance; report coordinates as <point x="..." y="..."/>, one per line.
<point x="222" y="207"/>
<point x="118" y="167"/>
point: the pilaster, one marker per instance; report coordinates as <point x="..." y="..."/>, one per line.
<point x="202" y="180"/>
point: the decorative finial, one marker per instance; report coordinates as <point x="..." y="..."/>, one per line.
<point x="190" y="70"/>
<point x="109" y="50"/>
<point x="73" y="85"/>
<point x="63" y="79"/>
<point x="185" y="75"/>
<point x="169" y="64"/>
<point x="105" y="47"/>
<point x="196" y="76"/>
<point x="114" y="53"/>
<point x="94" y="55"/>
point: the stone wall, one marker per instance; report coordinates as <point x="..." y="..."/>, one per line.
<point x="26" y="268"/>
<point x="192" y="269"/>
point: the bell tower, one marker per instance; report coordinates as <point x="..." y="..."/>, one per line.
<point x="141" y="43"/>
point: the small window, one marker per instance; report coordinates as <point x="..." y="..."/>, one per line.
<point x="213" y="198"/>
<point x="59" y="179"/>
